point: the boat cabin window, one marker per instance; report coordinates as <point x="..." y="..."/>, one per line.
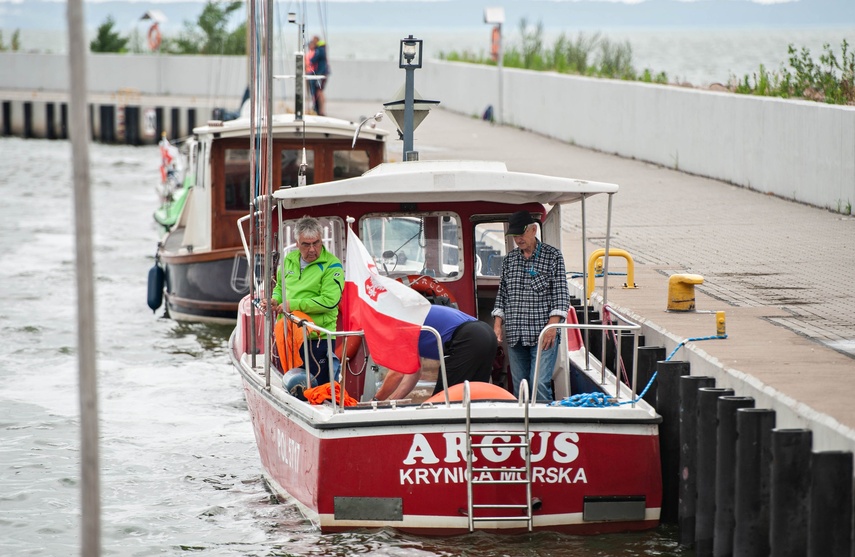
<point x="490" y="248"/>
<point x="425" y="244"/>
<point x="237" y="179"/>
<point x="349" y="164"/>
<point x="289" y="161"/>
<point x="332" y="236"/>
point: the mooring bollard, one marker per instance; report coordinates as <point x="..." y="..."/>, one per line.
<point x="668" y="406"/>
<point x="788" y="523"/>
<point x="705" y="468"/>
<point x="753" y="479"/>
<point x="830" y="522"/>
<point x="689" y="385"/>
<point x="725" y="472"/>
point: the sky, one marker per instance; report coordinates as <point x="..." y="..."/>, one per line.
<point x="453" y="14"/>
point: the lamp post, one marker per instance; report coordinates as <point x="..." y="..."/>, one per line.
<point x="496" y="17"/>
<point x="408" y="112"/>
<point x="409" y="59"/>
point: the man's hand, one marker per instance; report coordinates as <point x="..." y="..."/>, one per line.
<point x="497" y="328"/>
<point x="548" y="339"/>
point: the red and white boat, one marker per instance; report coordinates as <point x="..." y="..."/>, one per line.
<point x="490" y="461"/>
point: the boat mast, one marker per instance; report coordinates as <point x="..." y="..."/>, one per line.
<point x="90" y="484"/>
<point x="267" y="186"/>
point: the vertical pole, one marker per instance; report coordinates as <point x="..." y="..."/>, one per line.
<point x="408" y="112"/>
<point x="753" y="467"/>
<point x="668" y="406"/>
<point x="500" y="114"/>
<point x="90" y="485"/>
<point x="830" y="522"/>
<point x="725" y="472"/>
<point x="252" y="42"/>
<point x="267" y="207"/>
<point x="647" y="358"/>
<point x="705" y="475"/>
<point x="688" y="495"/>
<point x="788" y="525"/>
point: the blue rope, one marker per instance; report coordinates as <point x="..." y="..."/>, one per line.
<point x="601" y="400"/>
<point x="588" y="400"/>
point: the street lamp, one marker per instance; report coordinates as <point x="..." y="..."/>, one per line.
<point x="409" y="59"/>
<point x="403" y="111"/>
<point x="496" y="17"/>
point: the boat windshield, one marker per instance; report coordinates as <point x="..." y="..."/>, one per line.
<point x="405" y="244"/>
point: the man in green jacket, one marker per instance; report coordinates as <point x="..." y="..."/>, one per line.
<point x="314" y="281"/>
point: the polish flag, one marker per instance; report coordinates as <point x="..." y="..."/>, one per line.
<point x="390" y="313"/>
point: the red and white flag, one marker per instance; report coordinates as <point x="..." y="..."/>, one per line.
<point x="390" y="313"/>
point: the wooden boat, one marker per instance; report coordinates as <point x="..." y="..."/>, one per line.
<point x="487" y="460"/>
<point x="201" y="260"/>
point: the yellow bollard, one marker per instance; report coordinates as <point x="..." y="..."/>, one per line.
<point x="681" y="291"/>
<point x="720" y="329"/>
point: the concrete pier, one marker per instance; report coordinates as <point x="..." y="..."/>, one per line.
<point x="781" y="271"/>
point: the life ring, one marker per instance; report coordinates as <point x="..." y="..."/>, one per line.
<point x="496" y="40"/>
<point x="477" y="391"/>
<point x="428" y="286"/>
<point x="154" y="37"/>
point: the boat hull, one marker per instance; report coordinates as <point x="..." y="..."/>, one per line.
<point x="206" y="287"/>
<point x="587" y="477"/>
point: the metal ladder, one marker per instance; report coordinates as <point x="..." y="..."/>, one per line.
<point x="523" y="475"/>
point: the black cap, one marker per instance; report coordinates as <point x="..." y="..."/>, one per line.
<point x="518" y="222"/>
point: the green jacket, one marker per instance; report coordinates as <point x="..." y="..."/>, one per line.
<point x="316" y="290"/>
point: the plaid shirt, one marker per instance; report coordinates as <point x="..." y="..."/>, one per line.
<point x="530" y="292"/>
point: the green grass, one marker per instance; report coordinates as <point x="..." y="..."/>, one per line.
<point x="588" y="55"/>
<point x="829" y="79"/>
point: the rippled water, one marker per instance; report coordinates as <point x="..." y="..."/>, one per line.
<point x="179" y="468"/>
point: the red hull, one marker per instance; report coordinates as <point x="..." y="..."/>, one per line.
<point x="412" y="477"/>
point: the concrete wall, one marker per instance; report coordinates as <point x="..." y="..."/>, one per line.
<point x="793" y="149"/>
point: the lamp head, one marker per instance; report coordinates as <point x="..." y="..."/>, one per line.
<point x="411" y="53"/>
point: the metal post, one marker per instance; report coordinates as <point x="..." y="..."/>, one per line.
<point x="753" y="465"/>
<point x="830" y="517"/>
<point x="705" y="475"/>
<point x="688" y="495"/>
<point x="90" y="482"/>
<point x="409" y="95"/>
<point x="500" y="113"/>
<point x="668" y="406"/>
<point x="725" y="472"/>
<point x="788" y="524"/>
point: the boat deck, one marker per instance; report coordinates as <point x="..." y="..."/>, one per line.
<point x="781" y="271"/>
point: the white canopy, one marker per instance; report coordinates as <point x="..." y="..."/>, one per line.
<point x="444" y="181"/>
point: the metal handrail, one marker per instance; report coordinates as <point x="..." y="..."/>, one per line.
<point x="329" y="335"/>
<point x="629" y="326"/>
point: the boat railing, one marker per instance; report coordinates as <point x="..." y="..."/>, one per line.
<point x="613" y="323"/>
<point x="330" y="337"/>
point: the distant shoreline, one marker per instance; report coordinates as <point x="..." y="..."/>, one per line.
<point x="697" y="56"/>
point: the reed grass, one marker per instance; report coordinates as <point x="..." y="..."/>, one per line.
<point x="829" y="79"/>
<point x="589" y="55"/>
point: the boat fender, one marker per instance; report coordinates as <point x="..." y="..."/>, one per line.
<point x="155" y="287"/>
<point x="294" y="381"/>
<point x="478" y="390"/>
<point x="430" y="288"/>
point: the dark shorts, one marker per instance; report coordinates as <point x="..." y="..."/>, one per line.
<point x="469" y="354"/>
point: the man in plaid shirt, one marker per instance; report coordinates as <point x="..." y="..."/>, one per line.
<point x="532" y="293"/>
